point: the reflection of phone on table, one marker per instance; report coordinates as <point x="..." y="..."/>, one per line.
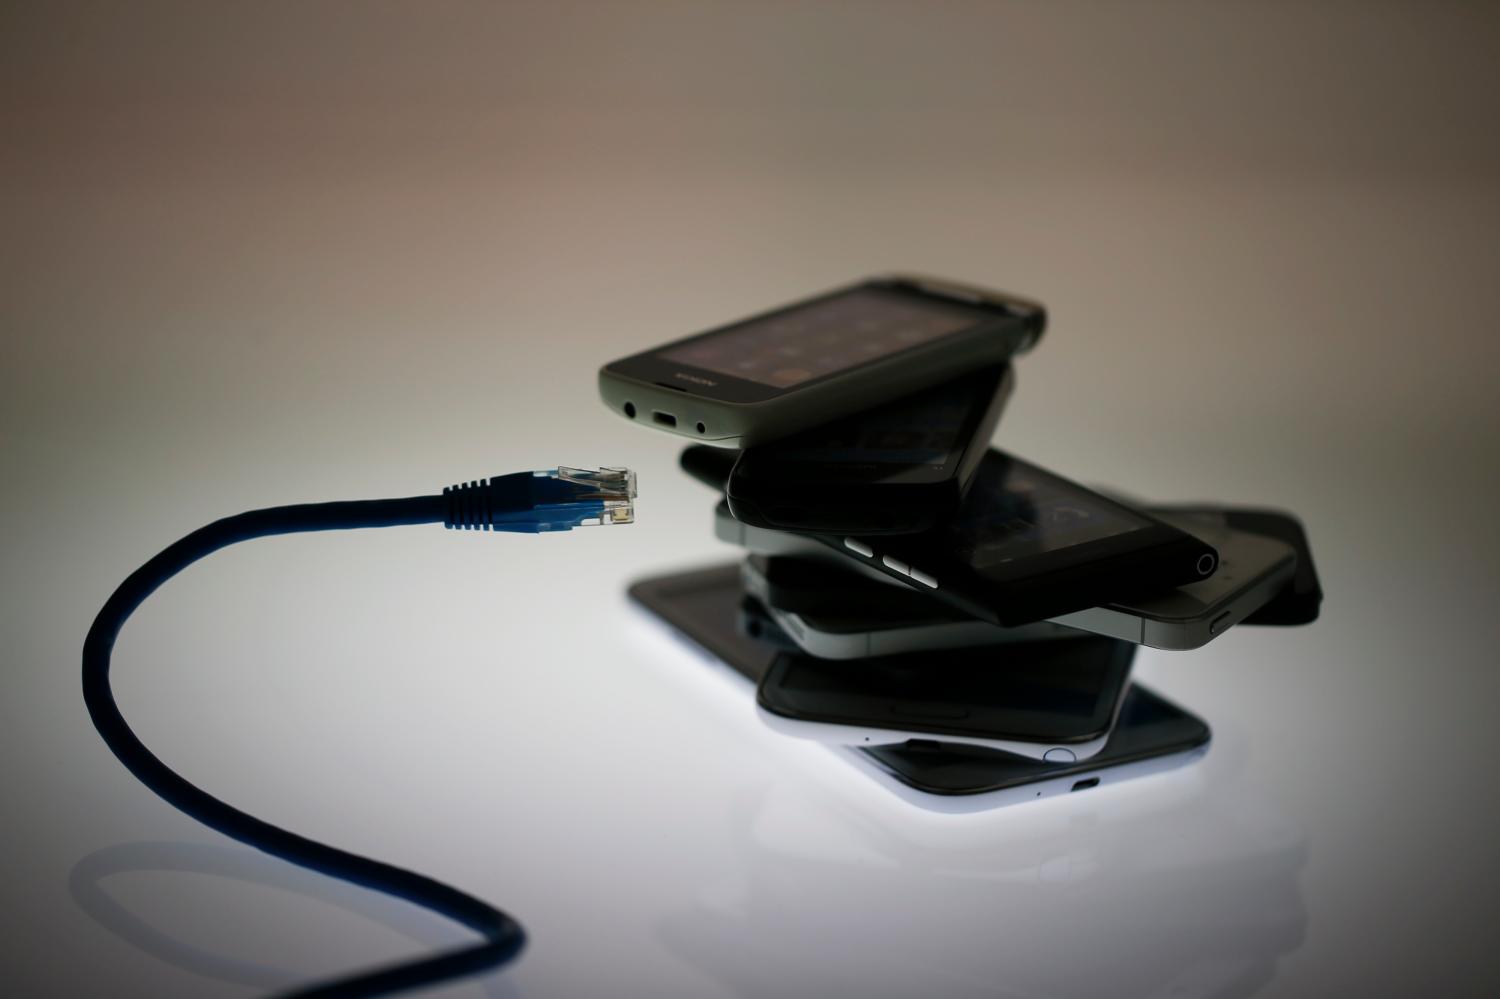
<point x="701" y="605"/>
<point x="814" y="361"/>
<point x="891" y="470"/>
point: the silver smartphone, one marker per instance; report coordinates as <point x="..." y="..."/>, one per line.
<point x="833" y="632"/>
<point x="1252" y="570"/>
<point x="804" y="364"/>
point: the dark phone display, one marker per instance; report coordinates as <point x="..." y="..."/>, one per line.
<point x="1046" y="690"/>
<point x="704" y="606"/>
<point x="1015" y="510"/>
<point x="843" y="331"/>
<point x="920" y="429"/>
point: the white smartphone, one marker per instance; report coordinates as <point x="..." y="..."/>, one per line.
<point x="1152" y="736"/>
<point x="1253" y="569"/>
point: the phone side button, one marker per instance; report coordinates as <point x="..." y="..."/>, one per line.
<point x="856" y="545"/>
<point x="1059" y="755"/>
<point x="897" y="564"/>
<point x="922" y="578"/>
<point x="1219" y="623"/>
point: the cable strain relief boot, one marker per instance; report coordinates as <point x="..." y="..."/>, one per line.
<point x="476" y="506"/>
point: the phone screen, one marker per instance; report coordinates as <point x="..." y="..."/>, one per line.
<point x="1063" y="690"/>
<point x="1014" y="510"/>
<point x="926" y="428"/>
<point x="844" y="330"/>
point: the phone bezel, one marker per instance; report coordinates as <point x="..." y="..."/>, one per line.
<point x="959" y="770"/>
<point x="761" y="477"/>
<point x="854" y="707"/>
<point x="651" y="367"/>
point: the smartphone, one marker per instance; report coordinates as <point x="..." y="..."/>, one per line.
<point x="819" y="587"/>
<point x="1253" y="571"/>
<point x="709" y="465"/>
<point x="1150" y="733"/>
<point x="1297" y="603"/>
<point x="895" y="469"/>
<point x="837" y="624"/>
<point x="1300" y="600"/>
<point x="1024" y="545"/>
<point x="1053" y="701"/>
<point x="755" y="621"/>
<point x="814" y="361"/>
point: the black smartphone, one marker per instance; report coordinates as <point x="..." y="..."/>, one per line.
<point x="895" y="469"/>
<point x="708" y="465"/>
<point x="1150" y="733"/>
<point x="1024" y="545"/>
<point x="1300" y="600"/>
<point x="1045" y="700"/>
<point x="821" y="587"/>
<point x="805" y="364"/>
<point x="836" y="621"/>
<point x="755" y="621"/>
<point x="1254" y="571"/>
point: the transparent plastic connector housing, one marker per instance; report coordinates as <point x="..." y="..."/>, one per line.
<point x="611" y="487"/>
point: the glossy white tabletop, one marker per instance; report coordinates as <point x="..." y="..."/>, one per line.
<point x="273" y="256"/>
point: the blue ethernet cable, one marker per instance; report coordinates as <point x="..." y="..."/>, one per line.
<point x="530" y="502"/>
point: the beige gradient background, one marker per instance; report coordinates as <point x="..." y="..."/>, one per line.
<point x="256" y="254"/>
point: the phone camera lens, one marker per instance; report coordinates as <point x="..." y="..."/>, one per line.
<point x="630" y="410"/>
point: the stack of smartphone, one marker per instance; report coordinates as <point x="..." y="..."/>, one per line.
<point x="962" y="617"/>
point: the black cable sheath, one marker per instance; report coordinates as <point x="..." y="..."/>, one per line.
<point x="503" y="937"/>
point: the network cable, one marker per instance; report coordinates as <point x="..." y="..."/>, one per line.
<point x="530" y="502"/>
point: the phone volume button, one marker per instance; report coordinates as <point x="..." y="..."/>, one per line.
<point x="922" y="578"/>
<point x="897" y="564"/>
<point x="858" y="546"/>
